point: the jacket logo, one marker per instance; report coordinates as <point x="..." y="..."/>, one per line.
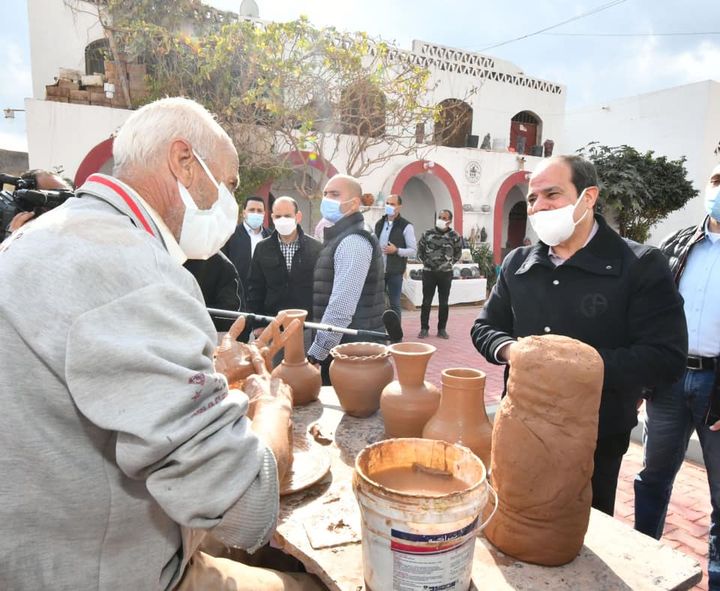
<point x="593" y="304"/>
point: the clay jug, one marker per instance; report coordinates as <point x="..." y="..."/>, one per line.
<point x="409" y="402"/>
<point x="359" y="372"/>
<point x="461" y="416"/>
<point x="295" y="370"/>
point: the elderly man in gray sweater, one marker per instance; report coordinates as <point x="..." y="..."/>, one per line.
<point x="121" y="445"/>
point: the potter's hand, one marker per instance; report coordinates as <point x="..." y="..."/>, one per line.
<point x="715" y="426"/>
<point x="390" y="248"/>
<point x="271" y="408"/>
<point x="507" y="352"/>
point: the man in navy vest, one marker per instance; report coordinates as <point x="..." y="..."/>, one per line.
<point x="397" y="241"/>
<point x="348" y="280"/>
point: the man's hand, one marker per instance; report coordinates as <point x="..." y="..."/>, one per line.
<point x="507" y="352"/>
<point x="715" y="426"/>
<point x="390" y="248"/>
<point x="20" y="219"/>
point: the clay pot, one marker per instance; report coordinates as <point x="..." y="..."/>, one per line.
<point x="295" y="370"/>
<point x="359" y="372"/>
<point x="461" y="416"/>
<point x="409" y="402"/>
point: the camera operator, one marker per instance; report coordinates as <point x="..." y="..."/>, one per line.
<point x="43" y="180"/>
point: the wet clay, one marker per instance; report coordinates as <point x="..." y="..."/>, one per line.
<point x="359" y="372"/>
<point x="408" y="402"/>
<point x="233" y="359"/>
<point x="416" y="480"/>
<point x="295" y="370"/>
<point x="543" y="445"/>
<point x="461" y="416"/>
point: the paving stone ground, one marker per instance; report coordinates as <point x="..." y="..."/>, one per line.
<point x="688" y="519"/>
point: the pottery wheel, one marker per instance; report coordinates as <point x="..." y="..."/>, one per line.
<point x="310" y="463"/>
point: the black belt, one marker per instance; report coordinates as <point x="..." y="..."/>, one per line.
<point x="702" y="363"/>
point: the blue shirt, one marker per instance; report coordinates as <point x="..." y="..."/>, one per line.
<point x="700" y="288"/>
<point x="353" y="257"/>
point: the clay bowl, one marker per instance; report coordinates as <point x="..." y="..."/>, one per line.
<point x="359" y="372"/>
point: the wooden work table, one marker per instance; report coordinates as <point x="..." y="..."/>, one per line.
<point x="321" y="527"/>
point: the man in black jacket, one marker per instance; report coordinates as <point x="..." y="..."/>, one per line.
<point x="584" y="281"/>
<point x="693" y="402"/>
<point x="220" y="286"/>
<point x="397" y="241"/>
<point x="281" y="273"/>
<point x="241" y="245"/>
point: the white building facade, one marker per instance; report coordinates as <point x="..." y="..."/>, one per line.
<point x="675" y="122"/>
<point x="484" y="188"/>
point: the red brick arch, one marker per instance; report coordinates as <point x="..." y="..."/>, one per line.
<point x="516" y="178"/>
<point x="419" y="167"/>
<point x="94" y="160"/>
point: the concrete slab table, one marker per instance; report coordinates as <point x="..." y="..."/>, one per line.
<point x="321" y="527"/>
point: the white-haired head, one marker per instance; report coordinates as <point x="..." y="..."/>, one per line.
<point x="144" y="138"/>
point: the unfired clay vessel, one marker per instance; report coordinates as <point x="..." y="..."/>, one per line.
<point x="408" y="402"/>
<point x="461" y="416"/>
<point x="543" y="445"/>
<point x="232" y="359"/>
<point x="359" y="372"/>
<point x="295" y="370"/>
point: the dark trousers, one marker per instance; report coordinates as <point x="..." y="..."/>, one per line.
<point x="608" y="457"/>
<point x="393" y="287"/>
<point x="442" y="280"/>
<point x="674" y="412"/>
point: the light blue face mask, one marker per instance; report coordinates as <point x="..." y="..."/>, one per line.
<point x="330" y="210"/>
<point x="389" y="210"/>
<point x="712" y="202"/>
<point x="255" y="220"/>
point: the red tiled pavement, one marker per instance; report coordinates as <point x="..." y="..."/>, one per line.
<point x="688" y="518"/>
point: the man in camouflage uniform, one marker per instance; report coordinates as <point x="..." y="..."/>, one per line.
<point x="438" y="249"/>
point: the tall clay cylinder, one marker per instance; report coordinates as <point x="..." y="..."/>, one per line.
<point x="409" y="402"/>
<point x="543" y="443"/>
<point x="461" y="416"/>
<point x="302" y="377"/>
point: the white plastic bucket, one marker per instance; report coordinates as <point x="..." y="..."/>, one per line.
<point x="413" y="542"/>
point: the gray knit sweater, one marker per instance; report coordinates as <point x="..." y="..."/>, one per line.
<point x="114" y="429"/>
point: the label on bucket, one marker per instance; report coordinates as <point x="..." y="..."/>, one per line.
<point x="437" y="562"/>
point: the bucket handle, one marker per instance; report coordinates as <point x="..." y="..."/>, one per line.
<point x="495" y="508"/>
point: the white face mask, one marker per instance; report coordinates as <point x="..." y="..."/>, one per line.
<point x="554" y="226"/>
<point x="285" y="226"/>
<point x="205" y="231"/>
<point x="441" y="224"/>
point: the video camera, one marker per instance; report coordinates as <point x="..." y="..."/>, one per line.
<point x="26" y="197"/>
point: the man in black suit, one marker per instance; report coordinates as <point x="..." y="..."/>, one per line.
<point x="241" y="245"/>
<point x="281" y="273"/>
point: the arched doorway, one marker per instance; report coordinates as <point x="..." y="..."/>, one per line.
<point x="517" y="223"/>
<point x="99" y="159"/>
<point x="512" y="191"/>
<point x="525" y="133"/>
<point x="426" y="187"/>
<point x="309" y="178"/>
